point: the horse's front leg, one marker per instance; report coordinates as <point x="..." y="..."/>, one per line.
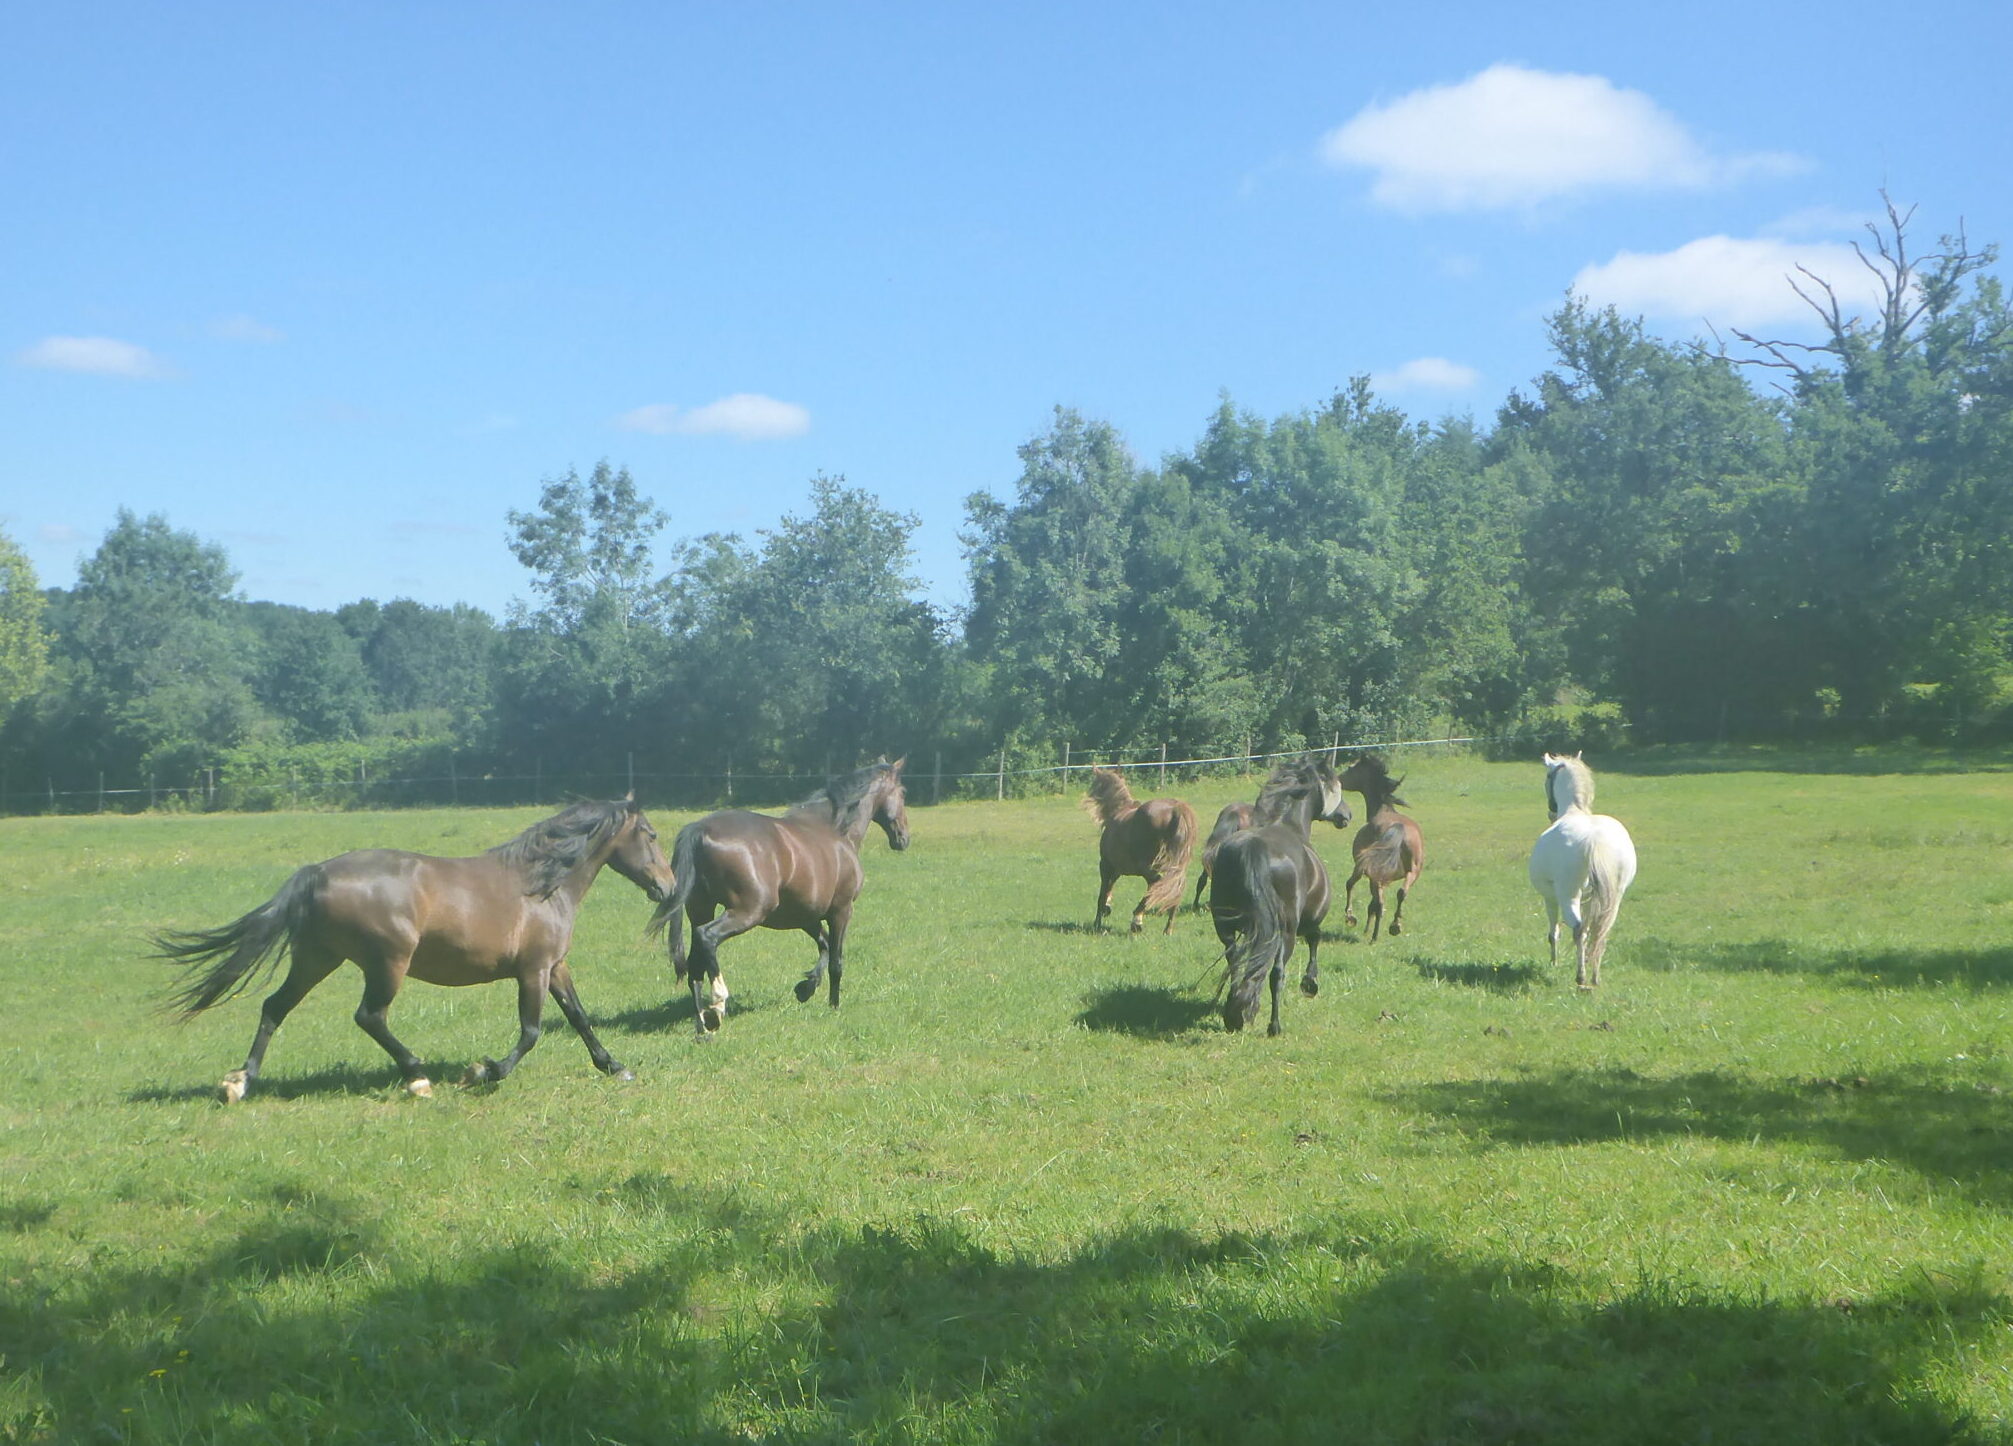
<point x="569" y="1005"/>
<point x="1107" y="880"/>
<point x="530" y="1014"/>
<point x="1349" y="898"/>
<point x="840" y="918"/>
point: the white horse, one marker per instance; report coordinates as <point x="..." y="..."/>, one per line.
<point x="1582" y="864"/>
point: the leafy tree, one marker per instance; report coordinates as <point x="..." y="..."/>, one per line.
<point x="433" y="661"/>
<point x="311" y="674"/>
<point x="24" y="641"/>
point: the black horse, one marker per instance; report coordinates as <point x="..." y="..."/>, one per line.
<point x="1270" y="887"/>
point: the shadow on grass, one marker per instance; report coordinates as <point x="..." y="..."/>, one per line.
<point x="676" y="1012"/>
<point x="1842" y="760"/>
<point x="1951" y="1133"/>
<point x="305" y="1322"/>
<point x="1052" y="926"/>
<point x="1150" y="1010"/>
<point x="278" y="1084"/>
<point x="1978" y="969"/>
<point x="1496" y="978"/>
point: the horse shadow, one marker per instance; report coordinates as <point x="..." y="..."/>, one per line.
<point x="1054" y="926"/>
<point x="677" y="1010"/>
<point x="1151" y="1011"/>
<point x="1976" y="969"/>
<point x="1511" y="978"/>
<point x="352" y="1080"/>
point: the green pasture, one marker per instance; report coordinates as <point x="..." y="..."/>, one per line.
<point x="1022" y="1186"/>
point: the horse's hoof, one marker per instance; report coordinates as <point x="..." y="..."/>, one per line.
<point x="487" y="1072"/>
<point x="234" y="1086"/>
<point x="805" y="989"/>
<point x="1394" y="930"/>
<point x="622" y="1072"/>
<point x="709" y="1020"/>
<point x="1137" y="927"/>
<point x="1348" y="921"/>
<point x="421" y="1088"/>
<point x="1310" y="987"/>
<point x="1274" y="1030"/>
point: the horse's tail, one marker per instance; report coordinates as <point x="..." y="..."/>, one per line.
<point x="1262" y="938"/>
<point x="1384" y="859"/>
<point x="225" y="961"/>
<point x="1607" y="879"/>
<point x="684" y="871"/>
<point x="1170" y="860"/>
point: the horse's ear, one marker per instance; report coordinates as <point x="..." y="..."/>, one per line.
<point x="630" y="799"/>
<point x="897" y="764"/>
<point x="1576" y="755"/>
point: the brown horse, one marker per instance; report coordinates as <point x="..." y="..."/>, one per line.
<point x="737" y="870"/>
<point x="1151" y="839"/>
<point x="505" y="914"/>
<point x="1388" y="848"/>
<point x="1271" y="888"/>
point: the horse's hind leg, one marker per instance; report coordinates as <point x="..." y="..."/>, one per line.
<point x="1278" y="981"/>
<point x="380" y="986"/>
<point x="808" y="985"/>
<point x="1398" y="911"/>
<point x="1310" y="980"/>
<point x="709" y="990"/>
<point x="1349" y="898"/>
<point x="530" y="1017"/>
<point x="1376" y="910"/>
<point x="569" y="1005"/>
<point x="1139" y="909"/>
<point x="1106" y="882"/>
<point x="310" y="966"/>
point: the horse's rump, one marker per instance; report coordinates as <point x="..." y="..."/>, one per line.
<point x="1387" y="852"/>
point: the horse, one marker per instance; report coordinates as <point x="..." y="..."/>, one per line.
<point x="1230" y="819"/>
<point x="1152" y="839"/>
<point x="737" y="870"/>
<point x="505" y="914"/>
<point x="1582" y="864"/>
<point x="1270" y="887"/>
<point x="1387" y="849"/>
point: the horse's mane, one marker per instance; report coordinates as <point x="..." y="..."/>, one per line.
<point x="553" y="848"/>
<point x="839" y="802"/>
<point x="1291" y="778"/>
<point x="1581" y="777"/>
<point x="1380" y="771"/>
<point x="1110" y="799"/>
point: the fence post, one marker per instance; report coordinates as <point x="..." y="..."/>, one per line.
<point x="632" y="773"/>
<point x="101" y="790"/>
<point x="937" y="779"/>
<point x="1065" y="768"/>
<point x="1163" y="764"/>
<point x="1000" y="795"/>
<point x="730" y="778"/>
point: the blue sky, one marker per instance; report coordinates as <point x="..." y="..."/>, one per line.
<point x="338" y="286"/>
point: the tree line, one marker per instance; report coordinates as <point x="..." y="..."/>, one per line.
<point x="1644" y="538"/>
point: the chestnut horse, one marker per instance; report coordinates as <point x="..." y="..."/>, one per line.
<point x="505" y="914"/>
<point x="1388" y="848"/>
<point x="1152" y="840"/>
<point x="739" y="870"/>
<point x="1582" y="864"/>
<point x="1271" y="888"/>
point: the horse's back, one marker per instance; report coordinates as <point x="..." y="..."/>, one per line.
<point x="791" y="871"/>
<point x="459" y="920"/>
<point x="1567" y="853"/>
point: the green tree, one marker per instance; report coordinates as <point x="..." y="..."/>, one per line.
<point x="311" y="674"/>
<point x="24" y="641"/>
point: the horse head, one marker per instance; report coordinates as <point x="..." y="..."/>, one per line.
<point x="1334" y="807"/>
<point x="891" y="810"/>
<point x="635" y="854"/>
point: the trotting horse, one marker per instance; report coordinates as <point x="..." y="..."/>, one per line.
<point x="1582" y="864"/>
<point x="1235" y="816"/>
<point x="505" y="914"/>
<point x="738" y="870"/>
<point x="1270" y="888"/>
<point x="1151" y="839"/>
<point x="1388" y="849"/>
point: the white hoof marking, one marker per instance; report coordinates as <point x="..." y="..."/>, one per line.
<point x="420" y="1088"/>
<point x="233" y="1088"/>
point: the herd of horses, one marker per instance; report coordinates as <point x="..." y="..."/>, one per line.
<point x="509" y="913"/>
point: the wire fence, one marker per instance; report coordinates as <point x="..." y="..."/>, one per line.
<point x="216" y="790"/>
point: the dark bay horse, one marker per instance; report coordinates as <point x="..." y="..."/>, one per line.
<point x="738" y="870"/>
<point x="1389" y="848"/>
<point x="1271" y="888"/>
<point x="1152" y="840"/>
<point x="1234" y="816"/>
<point x="505" y="914"/>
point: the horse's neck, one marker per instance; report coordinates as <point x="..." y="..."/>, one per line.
<point x="848" y="824"/>
<point x="1116" y="806"/>
<point x="1298" y="814"/>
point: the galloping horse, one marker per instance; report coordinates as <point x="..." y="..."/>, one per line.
<point x="1388" y="848"/>
<point x="505" y="914"/>
<point x="1270" y="887"/>
<point x="800" y="871"/>
<point x="1582" y="864"/>
<point x="1151" y="839"/>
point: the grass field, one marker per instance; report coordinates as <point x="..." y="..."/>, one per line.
<point x="1023" y="1187"/>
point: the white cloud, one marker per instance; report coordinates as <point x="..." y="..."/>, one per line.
<point x="1728" y="281"/>
<point x="748" y="416"/>
<point x="246" y="329"/>
<point x="1427" y="374"/>
<point x="60" y="533"/>
<point x="94" y="355"/>
<point x="1511" y="137"/>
